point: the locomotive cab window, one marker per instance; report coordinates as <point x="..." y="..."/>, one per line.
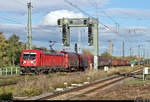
<point x="29" y="56"/>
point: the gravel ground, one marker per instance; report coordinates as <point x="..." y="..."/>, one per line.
<point x="133" y="89"/>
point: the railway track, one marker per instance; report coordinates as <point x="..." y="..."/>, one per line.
<point x="10" y="77"/>
<point x="5" y="78"/>
<point x="8" y="84"/>
<point x="5" y="83"/>
<point x="69" y="94"/>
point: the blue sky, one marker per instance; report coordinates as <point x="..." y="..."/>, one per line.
<point x="133" y="17"/>
<point x="128" y="4"/>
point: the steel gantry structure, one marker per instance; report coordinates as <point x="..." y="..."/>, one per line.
<point x="93" y="35"/>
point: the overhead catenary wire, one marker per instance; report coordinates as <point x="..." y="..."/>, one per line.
<point x="113" y="20"/>
<point x="19" y="1"/>
<point x="13" y="19"/>
<point x="106" y="15"/>
<point x="75" y="6"/>
<point x="109" y="16"/>
<point x="10" y="19"/>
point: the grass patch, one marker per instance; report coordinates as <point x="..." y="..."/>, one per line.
<point x="6" y="96"/>
<point x="57" y="74"/>
<point x="138" y="80"/>
<point x="36" y="85"/>
<point x="13" y="79"/>
<point x="31" y="92"/>
<point x="76" y="82"/>
<point x="134" y="81"/>
<point x="61" y="73"/>
<point x="6" y="93"/>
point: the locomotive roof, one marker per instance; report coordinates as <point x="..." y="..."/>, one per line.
<point x="54" y="53"/>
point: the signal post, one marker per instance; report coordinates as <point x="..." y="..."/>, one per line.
<point x="93" y="35"/>
<point x="96" y="45"/>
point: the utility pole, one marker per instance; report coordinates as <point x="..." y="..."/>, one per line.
<point x="143" y="52"/>
<point x="123" y="49"/>
<point x="147" y="54"/>
<point x="29" y="28"/>
<point x="139" y="51"/>
<point x="79" y="40"/>
<point x="130" y="51"/>
<point x="110" y="47"/>
<point x="106" y="50"/>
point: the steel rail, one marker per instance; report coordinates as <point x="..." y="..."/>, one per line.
<point x="97" y="88"/>
<point x="67" y="91"/>
<point x="8" y="84"/>
<point x="101" y="86"/>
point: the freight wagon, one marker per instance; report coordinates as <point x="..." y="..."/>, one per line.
<point x="104" y="61"/>
<point x="38" y="61"/>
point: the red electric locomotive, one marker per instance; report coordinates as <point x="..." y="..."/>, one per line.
<point x="40" y="61"/>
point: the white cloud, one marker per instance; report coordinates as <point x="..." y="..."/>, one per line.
<point x="12" y="28"/>
<point x="51" y="18"/>
<point x="20" y="6"/>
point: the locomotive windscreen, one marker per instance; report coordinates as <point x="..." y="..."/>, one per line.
<point x="29" y="56"/>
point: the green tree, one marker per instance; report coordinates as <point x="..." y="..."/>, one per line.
<point x="87" y="51"/>
<point x="14" y="49"/>
<point x="106" y="54"/>
<point x="39" y="48"/>
<point x="43" y="48"/>
<point x="34" y="47"/>
<point x="3" y="50"/>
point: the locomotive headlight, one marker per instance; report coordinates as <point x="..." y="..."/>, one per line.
<point x="33" y="62"/>
<point x="23" y="62"/>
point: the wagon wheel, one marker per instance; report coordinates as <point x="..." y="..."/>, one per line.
<point x="40" y="72"/>
<point x="82" y="69"/>
<point x="85" y="68"/>
<point x="69" y="70"/>
<point x="50" y="71"/>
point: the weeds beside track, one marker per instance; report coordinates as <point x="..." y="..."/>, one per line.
<point x="78" y="91"/>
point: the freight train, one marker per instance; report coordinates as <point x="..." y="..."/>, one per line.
<point x="38" y="61"/>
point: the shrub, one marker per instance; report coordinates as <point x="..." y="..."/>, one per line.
<point x="51" y="89"/>
<point x="61" y="73"/>
<point x="50" y="75"/>
<point x="58" y="85"/>
<point x="35" y="85"/>
<point x="31" y="92"/>
<point x="76" y="81"/>
<point x="6" y="96"/>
